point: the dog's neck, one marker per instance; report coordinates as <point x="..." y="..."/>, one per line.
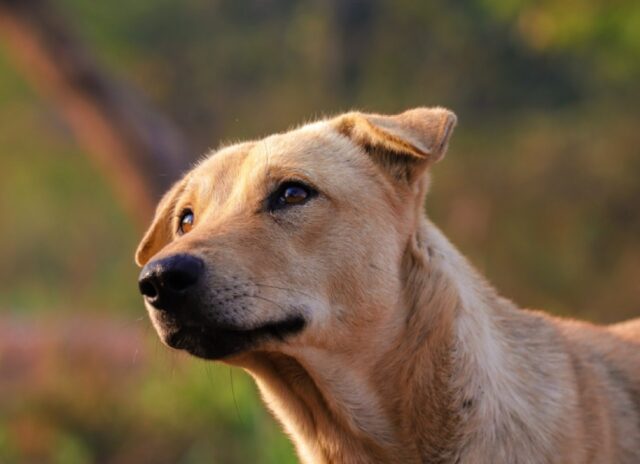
<point x="441" y="373"/>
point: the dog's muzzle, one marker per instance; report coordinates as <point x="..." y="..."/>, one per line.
<point x="175" y="287"/>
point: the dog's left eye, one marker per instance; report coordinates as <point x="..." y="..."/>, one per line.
<point x="186" y="221"/>
<point x="290" y="194"/>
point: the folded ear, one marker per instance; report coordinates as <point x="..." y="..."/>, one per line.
<point x="404" y="144"/>
<point x="160" y="231"/>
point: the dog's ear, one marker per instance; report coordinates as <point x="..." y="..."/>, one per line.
<point x="160" y="231"/>
<point x="404" y="144"/>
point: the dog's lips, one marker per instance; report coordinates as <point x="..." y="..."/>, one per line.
<point x="210" y="342"/>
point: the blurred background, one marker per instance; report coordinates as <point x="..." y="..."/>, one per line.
<point x="540" y="188"/>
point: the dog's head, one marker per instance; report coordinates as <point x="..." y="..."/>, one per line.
<point x="294" y="240"/>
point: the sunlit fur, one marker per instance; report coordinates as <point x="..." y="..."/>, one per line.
<point x="408" y="355"/>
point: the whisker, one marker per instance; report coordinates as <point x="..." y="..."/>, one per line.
<point x="267" y="300"/>
<point x="292" y="290"/>
<point x="207" y="370"/>
<point x="129" y="323"/>
<point x="233" y="393"/>
<point x="173" y="365"/>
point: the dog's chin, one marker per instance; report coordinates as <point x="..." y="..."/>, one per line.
<point x="216" y="343"/>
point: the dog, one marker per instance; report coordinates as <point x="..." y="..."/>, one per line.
<point x="306" y="259"/>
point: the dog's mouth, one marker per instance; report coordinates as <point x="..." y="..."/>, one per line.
<point x="209" y="342"/>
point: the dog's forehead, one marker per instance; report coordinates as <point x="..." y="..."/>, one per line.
<point x="315" y="151"/>
<point x="313" y="147"/>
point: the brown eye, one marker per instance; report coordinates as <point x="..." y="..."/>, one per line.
<point x="294" y="194"/>
<point x="290" y="194"/>
<point x="186" y="222"/>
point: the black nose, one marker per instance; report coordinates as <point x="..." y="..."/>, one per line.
<point x="167" y="280"/>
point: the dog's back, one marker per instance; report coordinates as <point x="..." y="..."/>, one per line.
<point x="606" y="363"/>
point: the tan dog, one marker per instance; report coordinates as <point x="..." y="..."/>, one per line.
<point x="306" y="259"/>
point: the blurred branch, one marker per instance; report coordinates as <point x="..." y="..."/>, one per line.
<point x="354" y="21"/>
<point x="139" y="150"/>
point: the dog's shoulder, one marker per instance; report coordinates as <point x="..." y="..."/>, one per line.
<point x="617" y="345"/>
<point x="628" y="330"/>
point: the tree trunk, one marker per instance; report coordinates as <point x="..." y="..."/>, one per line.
<point x="139" y="150"/>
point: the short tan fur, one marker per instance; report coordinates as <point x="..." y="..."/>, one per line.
<point x="407" y="354"/>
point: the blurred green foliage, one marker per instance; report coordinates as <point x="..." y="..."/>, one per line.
<point x="540" y="187"/>
<point x="83" y="389"/>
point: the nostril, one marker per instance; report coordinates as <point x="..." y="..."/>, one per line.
<point x="147" y="288"/>
<point x="179" y="280"/>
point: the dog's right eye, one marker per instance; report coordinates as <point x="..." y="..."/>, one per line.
<point x="290" y="194"/>
<point x="186" y="221"/>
